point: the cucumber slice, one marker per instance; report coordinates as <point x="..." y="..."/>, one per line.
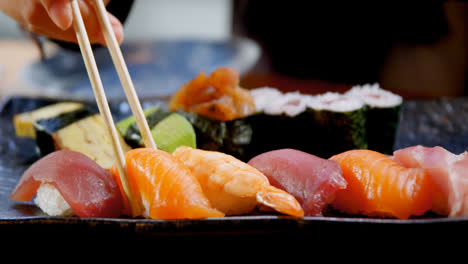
<point x="172" y="132"/>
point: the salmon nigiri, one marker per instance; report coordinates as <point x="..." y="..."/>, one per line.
<point x="233" y="186"/>
<point x="163" y="188"/>
<point x="378" y="185"/>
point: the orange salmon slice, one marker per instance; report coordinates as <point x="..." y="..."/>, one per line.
<point x="162" y="187"/>
<point x="379" y="186"/>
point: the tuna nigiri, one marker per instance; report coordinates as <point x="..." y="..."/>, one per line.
<point x="380" y="186"/>
<point x="448" y="172"/>
<point x="163" y="187"/>
<point x="217" y="96"/>
<point x="234" y="187"/>
<point x="312" y="180"/>
<point x="77" y="184"/>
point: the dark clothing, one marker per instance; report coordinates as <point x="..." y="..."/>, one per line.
<point x="343" y="41"/>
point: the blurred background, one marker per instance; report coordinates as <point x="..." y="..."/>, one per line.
<point x="163" y="19"/>
<point x="416" y="49"/>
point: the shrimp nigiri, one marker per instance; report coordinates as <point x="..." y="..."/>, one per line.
<point x="234" y="187"/>
<point x="378" y="185"/>
<point x="162" y="187"/>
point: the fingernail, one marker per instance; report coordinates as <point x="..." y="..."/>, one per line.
<point x="61" y="14"/>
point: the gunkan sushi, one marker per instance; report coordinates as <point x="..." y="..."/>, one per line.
<point x="217" y="96"/>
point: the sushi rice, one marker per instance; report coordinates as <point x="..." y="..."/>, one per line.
<point x="49" y="199"/>
<point x="263" y="96"/>
<point x="374" y="96"/>
<point x="335" y="102"/>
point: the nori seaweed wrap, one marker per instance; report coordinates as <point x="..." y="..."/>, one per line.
<point x="282" y="122"/>
<point x="323" y="125"/>
<point x="340" y="124"/>
<point x="238" y="139"/>
<point x="210" y="133"/>
<point x="231" y="137"/>
<point x="383" y="116"/>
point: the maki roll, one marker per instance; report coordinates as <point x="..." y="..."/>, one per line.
<point x="383" y="115"/>
<point x="339" y="122"/>
<point x="322" y="125"/>
<point x="281" y="122"/>
<point x="290" y="104"/>
<point x="263" y="96"/>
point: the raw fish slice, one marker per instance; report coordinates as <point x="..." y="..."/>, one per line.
<point x="163" y="188"/>
<point x="313" y="181"/>
<point x="380" y="186"/>
<point x="217" y="96"/>
<point x="448" y="172"/>
<point x="234" y="187"/>
<point x="90" y="190"/>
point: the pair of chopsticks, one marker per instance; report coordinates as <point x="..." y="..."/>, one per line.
<point x="98" y="89"/>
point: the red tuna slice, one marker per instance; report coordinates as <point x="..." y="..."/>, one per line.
<point x="89" y="189"/>
<point x="448" y="171"/>
<point x="313" y="181"/>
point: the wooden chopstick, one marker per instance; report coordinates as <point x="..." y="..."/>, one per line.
<point x="123" y="73"/>
<point x="100" y="95"/>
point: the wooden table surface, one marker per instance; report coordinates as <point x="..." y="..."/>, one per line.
<point x="14" y="54"/>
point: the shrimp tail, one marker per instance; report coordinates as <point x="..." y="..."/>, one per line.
<point x="280" y="200"/>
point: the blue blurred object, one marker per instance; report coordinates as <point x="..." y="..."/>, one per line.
<point x="158" y="68"/>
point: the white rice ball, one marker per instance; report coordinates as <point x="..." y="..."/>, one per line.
<point x="51" y="202"/>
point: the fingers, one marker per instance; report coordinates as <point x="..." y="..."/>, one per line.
<point x="55" y="18"/>
<point x="117" y="27"/>
<point x="60" y="12"/>
<point x="95" y="35"/>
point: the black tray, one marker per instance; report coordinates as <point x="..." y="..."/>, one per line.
<point x="442" y="122"/>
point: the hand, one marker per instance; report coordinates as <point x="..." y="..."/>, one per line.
<point x="53" y="18"/>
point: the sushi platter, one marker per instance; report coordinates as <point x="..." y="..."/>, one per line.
<point x="442" y="122"/>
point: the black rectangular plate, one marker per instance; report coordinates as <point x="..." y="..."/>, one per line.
<point x="430" y="122"/>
